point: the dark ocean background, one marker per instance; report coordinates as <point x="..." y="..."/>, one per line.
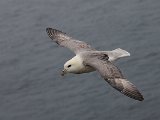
<point x="31" y="87"/>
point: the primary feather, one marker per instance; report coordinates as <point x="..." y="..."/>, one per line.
<point x="64" y="40"/>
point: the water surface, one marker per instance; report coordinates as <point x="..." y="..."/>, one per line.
<point x="31" y="87"/>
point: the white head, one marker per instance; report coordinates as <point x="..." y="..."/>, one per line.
<point x="73" y="65"/>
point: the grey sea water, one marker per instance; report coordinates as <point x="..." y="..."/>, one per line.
<point x="31" y="87"/>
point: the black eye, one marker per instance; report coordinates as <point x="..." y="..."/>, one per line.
<point x="69" y="66"/>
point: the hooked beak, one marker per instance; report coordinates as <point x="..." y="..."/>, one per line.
<point x="64" y="71"/>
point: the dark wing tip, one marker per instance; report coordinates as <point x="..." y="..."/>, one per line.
<point x="126" y="88"/>
<point x="52" y="33"/>
<point x="142" y="98"/>
<point x="56" y="35"/>
<point x="132" y="92"/>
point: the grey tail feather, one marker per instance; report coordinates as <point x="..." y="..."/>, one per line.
<point x="117" y="53"/>
<point x="121" y="52"/>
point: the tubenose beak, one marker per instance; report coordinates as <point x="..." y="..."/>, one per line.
<point x="64" y="71"/>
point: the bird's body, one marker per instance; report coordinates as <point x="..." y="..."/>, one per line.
<point x="88" y="59"/>
<point x="79" y="62"/>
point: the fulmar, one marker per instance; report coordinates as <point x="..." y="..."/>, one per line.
<point x="88" y="59"/>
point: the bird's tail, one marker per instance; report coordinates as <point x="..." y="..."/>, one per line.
<point x="117" y="53"/>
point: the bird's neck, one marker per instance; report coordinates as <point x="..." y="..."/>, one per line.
<point x="77" y="60"/>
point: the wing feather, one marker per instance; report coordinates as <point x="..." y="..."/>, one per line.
<point x="64" y="40"/>
<point x="113" y="76"/>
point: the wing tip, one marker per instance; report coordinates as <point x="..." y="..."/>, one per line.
<point x="141" y="98"/>
<point x="52" y="31"/>
<point x="128" y="89"/>
<point x="48" y="29"/>
<point x="133" y="93"/>
<point x="137" y="96"/>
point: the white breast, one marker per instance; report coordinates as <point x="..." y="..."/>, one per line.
<point x="80" y="67"/>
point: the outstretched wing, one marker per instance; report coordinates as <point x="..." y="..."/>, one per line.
<point x="113" y="75"/>
<point x="64" y="40"/>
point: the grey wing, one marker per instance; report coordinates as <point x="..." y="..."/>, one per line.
<point x="64" y="40"/>
<point x="113" y="76"/>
